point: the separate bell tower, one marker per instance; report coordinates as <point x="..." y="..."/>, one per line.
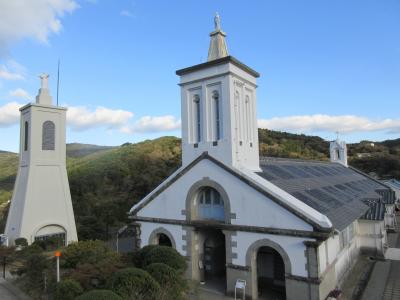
<point x="41" y="205"/>
<point x="218" y="100"/>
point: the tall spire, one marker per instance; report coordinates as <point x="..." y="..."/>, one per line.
<point x="218" y="47"/>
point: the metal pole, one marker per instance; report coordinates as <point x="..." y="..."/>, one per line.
<point x="4" y="267"/>
<point x="58" y="269"/>
<point x="58" y="79"/>
<point x="117" y="241"/>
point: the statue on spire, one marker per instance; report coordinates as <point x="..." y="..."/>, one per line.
<point x="44" y="81"/>
<point x="217" y="47"/>
<point x="217" y="22"/>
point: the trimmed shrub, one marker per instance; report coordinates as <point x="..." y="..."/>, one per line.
<point x="21" y="242"/>
<point x="139" y="256"/>
<point x="165" y="255"/>
<point x="134" y="283"/>
<point x="87" y="252"/>
<point x="99" y="295"/>
<point x="171" y="282"/>
<point x="67" y="289"/>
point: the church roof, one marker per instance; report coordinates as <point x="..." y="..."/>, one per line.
<point x="342" y="194"/>
<point x="216" y="62"/>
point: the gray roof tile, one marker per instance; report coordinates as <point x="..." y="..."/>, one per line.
<point x="342" y="194"/>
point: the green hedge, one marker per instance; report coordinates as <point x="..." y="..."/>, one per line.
<point x="134" y="283"/>
<point x="67" y="289"/>
<point x="99" y="295"/>
<point x="172" y="283"/>
<point x="165" y="255"/>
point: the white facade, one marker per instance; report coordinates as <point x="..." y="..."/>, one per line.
<point x="41" y="204"/>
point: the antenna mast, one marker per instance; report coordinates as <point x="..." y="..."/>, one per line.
<point x="58" y="79"/>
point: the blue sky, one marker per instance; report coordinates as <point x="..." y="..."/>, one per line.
<point x="325" y="66"/>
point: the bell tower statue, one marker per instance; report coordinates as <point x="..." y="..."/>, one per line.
<point x="41" y="205"/>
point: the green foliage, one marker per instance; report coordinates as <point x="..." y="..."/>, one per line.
<point x="51" y="243"/>
<point x="172" y="283"/>
<point x="139" y="256"/>
<point x="21" y="242"/>
<point x="87" y="252"/>
<point x="134" y="283"/>
<point x="99" y="295"/>
<point x="165" y="255"/>
<point x="67" y="289"/>
<point x="36" y="268"/>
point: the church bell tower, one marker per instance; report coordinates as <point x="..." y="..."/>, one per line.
<point x="218" y="100"/>
<point x="41" y="205"/>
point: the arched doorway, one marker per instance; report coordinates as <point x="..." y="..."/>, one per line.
<point x="164" y="240"/>
<point x="270" y="274"/>
<point x="213" y="259"/>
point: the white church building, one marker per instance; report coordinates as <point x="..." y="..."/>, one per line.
<point x="41" y="206"/>
<point x="291" y="229"/>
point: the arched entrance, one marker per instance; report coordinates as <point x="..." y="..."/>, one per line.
<point x="213" y="259"/>
<point x="214" y="255"/>
<point x="161" y="236"/>
<point x="270" y="274"/>
<point x="270" y="264"/>
<point x="164" y="240"/>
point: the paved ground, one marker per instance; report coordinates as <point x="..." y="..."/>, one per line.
<point x="10" y="292"/>
<point x="384" y="282"/>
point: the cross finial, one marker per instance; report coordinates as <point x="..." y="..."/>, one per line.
<point x="44" y="78"/>
<point x="337" y="135"/>
<point x="217" y="22"/>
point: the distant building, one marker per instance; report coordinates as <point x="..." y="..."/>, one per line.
<point x="290" y="228"/>
<point x="41" y="205"/>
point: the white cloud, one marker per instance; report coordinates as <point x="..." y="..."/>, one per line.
<point x="20" y="93"/>
<point x="126" y="13"/>
<point x="80" y="118"/>
<point x="35" y="19"/>
<point x="149" y="124"/>
<point x="12" y="70"/>
<point x="9" y="114"/>
<point x="326" y="123"/>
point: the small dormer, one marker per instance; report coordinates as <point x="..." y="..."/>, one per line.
<point x="338" y="152"/>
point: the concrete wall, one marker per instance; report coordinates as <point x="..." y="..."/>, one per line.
<point x="372" y="237"/>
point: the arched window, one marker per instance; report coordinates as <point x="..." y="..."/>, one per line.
<point x="26" y="135"/>
<point x="197" y="118"/>
<point x="248" y="118"/>
<point x="337" y="154"/>
<point x="217" y="117"/>
<point x="48" y="135"/>
<point x="211" y="205"/>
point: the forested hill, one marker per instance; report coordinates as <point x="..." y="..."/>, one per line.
<point x="106" y="181"/>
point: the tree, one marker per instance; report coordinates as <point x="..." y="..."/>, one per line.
<point x="134" y="283"/>
<point x="67" y="289"/>
<point x="99" y="295"/>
